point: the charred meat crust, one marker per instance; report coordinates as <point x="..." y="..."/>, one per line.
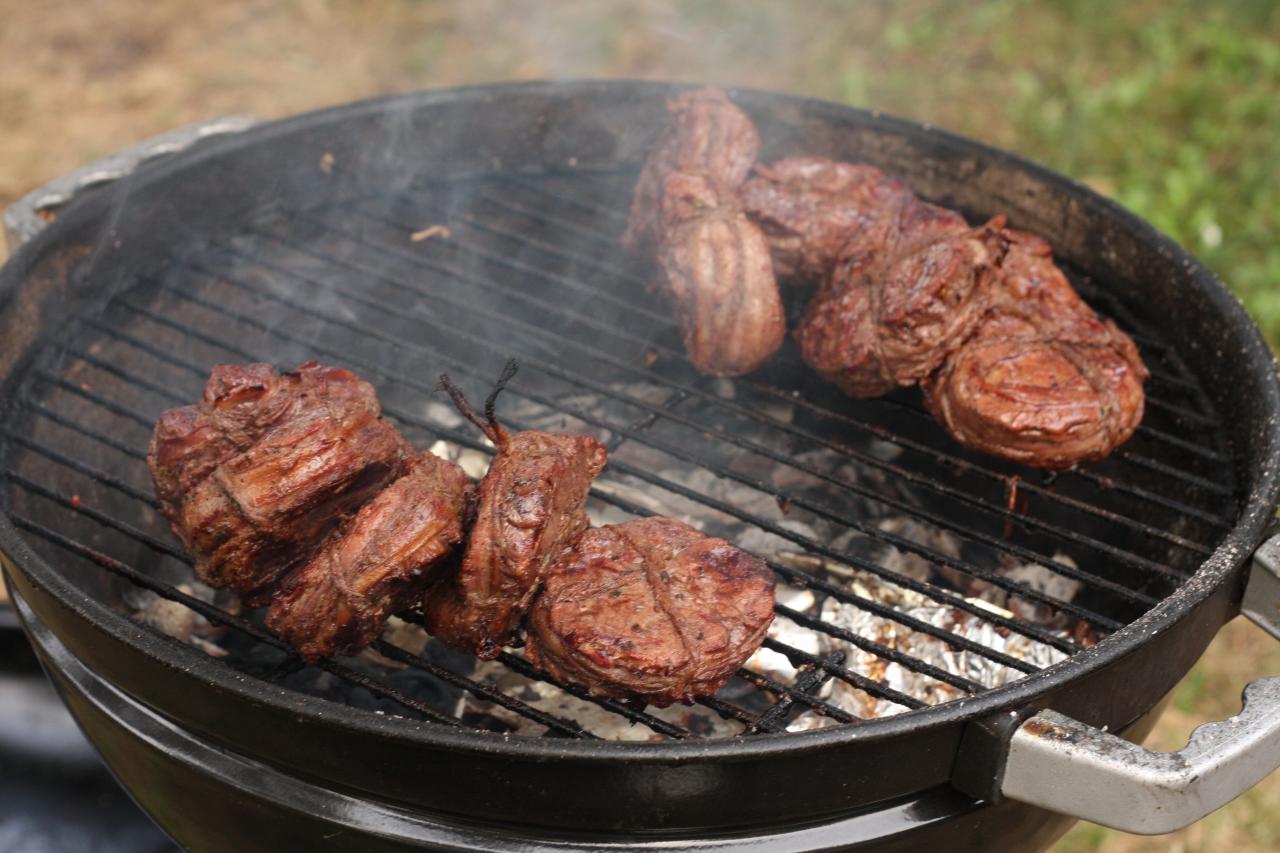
<point x="377" y="564"/>
<point x="1043" y="380"/>
<point x="652" y="609"/>
<point x="316" y="450"/>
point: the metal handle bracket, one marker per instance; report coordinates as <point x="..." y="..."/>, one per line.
<point x="28" y="215"/>
<point x="1069" y="767"/>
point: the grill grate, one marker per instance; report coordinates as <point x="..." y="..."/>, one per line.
<point x="873" y="520"/>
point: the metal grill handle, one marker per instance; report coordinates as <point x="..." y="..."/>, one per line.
<point x="28" y="215"/>
<point x="1066" y="766"/>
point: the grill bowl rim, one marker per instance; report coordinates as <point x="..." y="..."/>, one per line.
<point x="1235" y="548"/>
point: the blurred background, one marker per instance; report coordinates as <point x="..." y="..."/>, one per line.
<point x="1171" y="108"/>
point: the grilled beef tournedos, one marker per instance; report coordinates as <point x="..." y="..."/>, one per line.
<point x="706" y="136"/>
<point x="531" y="509"/>
<point x="808" y="207"/>
<point x="713" y="262"/>
<point x="263" y="469"/>
<point x="906" y="289"/>
<point x="716" y="271"/>
<point x="1044" y="380"/>
<point x="377" y="564"/>
<point x="650" y="609"/>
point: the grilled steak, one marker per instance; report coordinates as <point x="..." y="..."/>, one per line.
<point x="907" y="288"/>
<point x="1043" y="381"/>
<point x="714" y="263"/>
<point x="706" y="135"/>
<point x="376" y="565"/>
<point x="248" y="515"/>
<point x="809" y="206"/>
<point x="651" y="609"/>
<point x="240" y="403"/>
<point x="717" y="273"/>
<point x="530" y="511"/>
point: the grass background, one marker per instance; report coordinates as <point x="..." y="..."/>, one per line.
<point x="1172" y="108"/>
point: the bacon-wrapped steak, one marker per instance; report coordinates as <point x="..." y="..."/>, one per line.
<point x="530" y="511"/>
<point x="377" y="564"/>
<point x="1044" y="381"/>
<point x="719" y="278"/>
<point x="247" y="516"/>
<point x="706" y="135"/>
<point x="650" y="609"/>
<point x="907" y="288"/>
<point x="808" y="207"/>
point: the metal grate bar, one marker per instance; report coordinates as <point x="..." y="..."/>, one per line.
<point x="810" y="680"/>
<point x="220" y="617"/>
<point x="927" y="482"/>
<point x="509" y="293"/>
<point x="557" y="249"/>
<point x="1159" y="375"/>
<point x="926" y="589"/>
<point x="790" y="575"/>
<point x="665" y="411"/>
<point x="880" y="650"/>
<point x="565" y="727"/>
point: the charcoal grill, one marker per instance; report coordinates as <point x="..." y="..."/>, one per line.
<point x="312" y="238"/>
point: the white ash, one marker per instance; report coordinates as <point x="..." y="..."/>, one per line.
<point x="181" y="622"/>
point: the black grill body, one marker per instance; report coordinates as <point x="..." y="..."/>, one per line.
<point x="294" y="241"/>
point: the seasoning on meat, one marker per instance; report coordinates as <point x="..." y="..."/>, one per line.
<point x="906" y="289"/>
<point x="809" y="206"/>
<point x="376" y="565"/>
<point x="530" y="511"/>
<point x="651" y="609"/>
<point x="705" y="135"/>
<point x="1044" y="380"/>
<point x="316" y="450"/>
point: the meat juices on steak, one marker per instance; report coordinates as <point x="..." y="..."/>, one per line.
<point x="809" y="206"/>
<point x="1044" y="381"/>
<point x="652" y="609"/>
<point x="530" y="510"/>
<point x="262" y="509"/>
<point x="906" y="289"/>
<point x="705" y="135"/>
<point x="376" y="565"/>
<point x="718" y="276"/>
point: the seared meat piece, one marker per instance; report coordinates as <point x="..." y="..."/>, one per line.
<point x="240" y="403"/>
<point x="717" y="273"/>
<point x="652" y="609"/>
<point x="907" y="288"/>
<point x="1043" y="381"/>
<point x="376" y="565"/>
<point x="706" y="135"/>
<point x="262" y="510"/>
<point x="809" y="206"/>
<point x="530" y="511"/>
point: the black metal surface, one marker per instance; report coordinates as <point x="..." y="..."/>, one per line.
<point x="55" y="793"/>
<point x="288" y="260"/>
<point x="213" y="800"/>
